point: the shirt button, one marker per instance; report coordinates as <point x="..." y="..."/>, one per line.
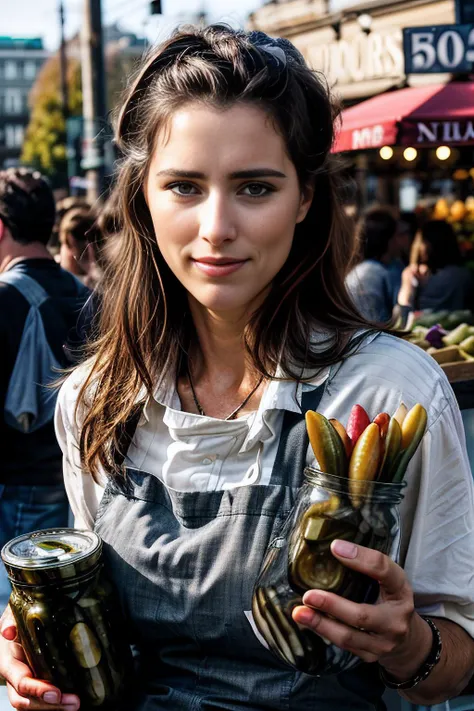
<point x="206" y="461"/>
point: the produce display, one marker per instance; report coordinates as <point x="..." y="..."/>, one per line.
<point x="447" y="337"/>
<point x="353" y="495"/>
<point x="67" y="615"/>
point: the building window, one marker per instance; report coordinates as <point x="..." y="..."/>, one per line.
<point x="13" y="101"/>
<point x="14" y="135"/>
<point x="29" y="69"/>
<point x="10" y="136"/>
<point x="10" y="69"/>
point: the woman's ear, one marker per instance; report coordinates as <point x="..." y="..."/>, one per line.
<point x="307" y="195"/>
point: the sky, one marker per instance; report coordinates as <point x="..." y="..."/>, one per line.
<point x="39" y="18"/>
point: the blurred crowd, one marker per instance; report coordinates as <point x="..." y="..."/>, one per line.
<point x="52" y="258"/>
<point x="404" y="264"/>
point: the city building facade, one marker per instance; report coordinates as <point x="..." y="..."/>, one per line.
<point x="359" y="50"/>
<point x="20" y="61"/>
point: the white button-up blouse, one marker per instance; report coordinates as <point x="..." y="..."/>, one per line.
<point x="197" y="453"/>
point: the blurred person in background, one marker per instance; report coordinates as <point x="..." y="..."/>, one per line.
<point x="62" y="207"/>
<point x="32" y="494"/>
<point x="369" y="282"/>
<point x="407" y="228"/>
<point x="106" y="229"/>
<point x="80" y="239"/>
<point x="440" y="279"/>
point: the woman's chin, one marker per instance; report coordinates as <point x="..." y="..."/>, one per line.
<point x="225" y="302"/>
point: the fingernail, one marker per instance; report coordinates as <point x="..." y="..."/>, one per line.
<point x="313" y="599"/>
<point x="70" y="708"/>
<point x="52" y="697"/>
<point x="70" y="702"/>
<point x="307" y="617"/>
<point x="9" y="632"/>
<point x="344" y="549"/>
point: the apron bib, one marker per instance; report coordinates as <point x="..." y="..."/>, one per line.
<point x="185" y="564"/>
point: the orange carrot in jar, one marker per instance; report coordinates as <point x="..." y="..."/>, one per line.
<point x="383" y="421"/>
<point x="341" y="431"/>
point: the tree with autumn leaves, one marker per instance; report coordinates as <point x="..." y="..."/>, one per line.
<point x="44" y="146"/>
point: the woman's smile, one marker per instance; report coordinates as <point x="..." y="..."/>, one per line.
<point x="218" y="266"/>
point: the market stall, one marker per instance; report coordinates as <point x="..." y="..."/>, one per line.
<point x="412" y="146"/>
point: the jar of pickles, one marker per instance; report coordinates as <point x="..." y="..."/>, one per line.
<point x="300" y="559"/>
<point x="68" y="618"/>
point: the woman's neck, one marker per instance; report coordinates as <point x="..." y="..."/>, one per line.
<point x="221" y="347"/>
<point x="220" y="369"/>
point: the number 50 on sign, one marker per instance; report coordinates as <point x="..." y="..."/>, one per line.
<point x="438" y="49"/>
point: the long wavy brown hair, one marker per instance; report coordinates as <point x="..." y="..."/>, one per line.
<point x="145" y="326"/>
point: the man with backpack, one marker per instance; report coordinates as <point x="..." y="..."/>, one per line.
<point x="39" y="307"/>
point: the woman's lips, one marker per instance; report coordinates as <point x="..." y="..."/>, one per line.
<point x="219" y="269"/>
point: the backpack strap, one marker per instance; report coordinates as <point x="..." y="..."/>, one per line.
<point x="28" y="287"/>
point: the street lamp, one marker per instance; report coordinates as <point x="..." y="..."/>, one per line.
<point x="365" y="22"/>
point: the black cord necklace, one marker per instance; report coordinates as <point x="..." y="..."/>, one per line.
<point x="235" y="412"/>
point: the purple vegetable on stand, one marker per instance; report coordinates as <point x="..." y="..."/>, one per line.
<point x="435" y="336"/>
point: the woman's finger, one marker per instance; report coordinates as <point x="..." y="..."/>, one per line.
<point x="8" y="628"/>
<point x="372" y="618"/>
<point x="32" y="704"/>
<point x="376" y="565"/>
<point x="340" y="634"/>
<point x="20" y="679"/>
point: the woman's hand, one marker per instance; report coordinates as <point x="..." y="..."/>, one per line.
<point x="24" y="691"/>
<point x="389" y="632"/>
<point x="412" y="276"/>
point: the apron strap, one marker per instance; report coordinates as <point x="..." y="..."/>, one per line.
<point x="290" y="459"/>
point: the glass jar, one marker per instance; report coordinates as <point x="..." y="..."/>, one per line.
<point x="300" y="559"/>
<point x="68" y="618"/>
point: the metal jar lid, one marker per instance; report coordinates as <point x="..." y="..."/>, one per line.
<point x="51" y="553"/>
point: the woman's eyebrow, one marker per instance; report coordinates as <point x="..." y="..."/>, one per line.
<point x="238" y="175"/>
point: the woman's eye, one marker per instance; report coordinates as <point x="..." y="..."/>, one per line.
<point x="183" y="189"/>
<point x="256" y="190"/>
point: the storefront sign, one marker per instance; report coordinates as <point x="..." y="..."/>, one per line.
<point x="438" y="49"/>
<point x="369" y="137"/>
<point x="360" y="58"/>
<point x="439" y="133"/>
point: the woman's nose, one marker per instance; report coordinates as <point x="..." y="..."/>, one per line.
<point x="217" y="220"/>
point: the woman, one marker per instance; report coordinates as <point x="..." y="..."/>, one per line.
<point x="80" y="240"/>
<point x="224" y="314"/>
<point x="369" y="281"/>
<point x="448" y="284"/>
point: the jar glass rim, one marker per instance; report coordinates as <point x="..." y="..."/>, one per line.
<point x="370" y="490"/>
<point x="314" y="470"/>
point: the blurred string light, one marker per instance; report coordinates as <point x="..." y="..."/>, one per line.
<point x="443" y="152"/>
<point x="386" y="152"/>
<point x="410" y="154"/>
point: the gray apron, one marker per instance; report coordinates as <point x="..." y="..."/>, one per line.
<point x="185" y="564"/>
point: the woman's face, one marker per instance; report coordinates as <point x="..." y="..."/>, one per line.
<point x="224" y="198"/>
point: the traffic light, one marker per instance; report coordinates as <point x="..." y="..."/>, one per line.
<point x="155" y="7"/>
